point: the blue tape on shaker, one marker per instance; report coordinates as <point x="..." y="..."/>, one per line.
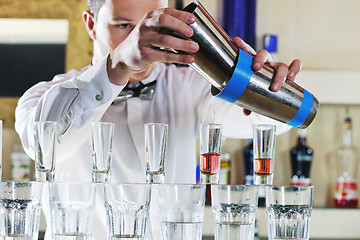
<point x="239" y="80"/>
<point x="303" y="111"/>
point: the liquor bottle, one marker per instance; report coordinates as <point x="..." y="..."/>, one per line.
<point x="249" y="163"/>
<point x="225" y="169"/>
<point x="225" y="164"/>
<point x="301" y="157"/>
<point x="346" y="194"/>
<point x="179" y="4"/>
<point x="256" y="231"/>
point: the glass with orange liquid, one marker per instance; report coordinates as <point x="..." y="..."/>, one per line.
<point x="210" y="149"/>
<point x="264" y="151"/>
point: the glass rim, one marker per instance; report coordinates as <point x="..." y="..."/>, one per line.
<point x="288" y="187"/>
<point x="211" y="124"/>
<point x="156" y="124"/>
<point x="70" y="183"/>
<point x="124" y="184"/>
<point x="2" y="182"/>
<point x="235" y="185"/>
<point x="102" y="123"/>
<point x="182" y="184"/>
<point x="265" y="125"/>
<point x="46" y="121"/>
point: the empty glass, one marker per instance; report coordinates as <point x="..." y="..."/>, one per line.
<point x="181" y="211"/>
<point x="210" y="150"/>
<point x="20" y="207"/>
<point x="127" y="207"/>
<point x="288" y="211"/>
<point x="102" y="143"/>
<point x="264" y="151"/>
<point x="45" y="142"/>
<point x="156" y="135"/>
<point x="71" y="210"/>
<point x="234" y="208"/>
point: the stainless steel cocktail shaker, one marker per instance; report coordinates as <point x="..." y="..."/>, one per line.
<point x="228" y="69"/>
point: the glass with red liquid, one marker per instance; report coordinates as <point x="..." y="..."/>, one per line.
<point x="210" y="149"/>
<point x="264" y="151"/>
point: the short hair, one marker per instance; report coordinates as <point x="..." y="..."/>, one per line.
<point x="94" y="6"/>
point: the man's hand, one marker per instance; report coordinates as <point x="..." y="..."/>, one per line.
<point x="282" y="71"/>
<point x="146" y="44"/>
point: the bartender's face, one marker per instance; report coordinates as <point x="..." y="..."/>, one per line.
<point x="114" y="22"/>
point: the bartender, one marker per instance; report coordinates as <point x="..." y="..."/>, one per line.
<point x="128" y="54"/>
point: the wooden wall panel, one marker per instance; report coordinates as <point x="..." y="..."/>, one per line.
<point x="79" y="47"/>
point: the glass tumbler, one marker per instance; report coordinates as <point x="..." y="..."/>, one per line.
<point x="288" y="211"/>
<point x="127" y="207"/>
<point x="71" y="210"/>
<point x="181" y="211"/>
<point x="234" y="208"/>
<point x="20" y="208"/>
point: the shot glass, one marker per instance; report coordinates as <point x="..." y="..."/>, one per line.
<point x="20" y="208"/>
<point x="181" y="211"/>
<point x="71" y="210"/>
<point x="127" y="207"/>
<point x="288" y="211"/>
<point x="264" y="151"/>
<point x="156" y="135"/>
<point x="210" y="150"/>
<point x="102" y="144"/>
<point x="45" y="142"/>
<point x="234" y="209"/>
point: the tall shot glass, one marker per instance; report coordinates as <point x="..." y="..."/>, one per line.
<point x="71" y="210"/>
<point x="264" y="151"/>
<point x="127" y="207"/>
<point x="234" y="208"/>
<point x="156" y="135"/>
<point x="102" y="144"/>
<point x="20" y="208"/>
<point x="288" y="211"/>
<point x="210" y="152"/>
<point x="181" y="211"/>
<point x="45" y="142"/>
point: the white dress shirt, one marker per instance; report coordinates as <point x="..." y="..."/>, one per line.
<point x="75" y="99"/>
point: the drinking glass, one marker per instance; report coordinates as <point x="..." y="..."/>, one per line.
<point x="20" y="208"/>
<point x="210" y="150"/>
<point x="45" y="142"/>
<point x="181" y="211"/>
<point x="1" y="149"/>
<point x="264" y="151"/>
<point x="71" y="210"/>
<point x="234" y="208"/>
<point x="156" y="135"/>
<point x="102" y="143"/>
<point x="288" y="211"/>
<point x="127" y="207"/>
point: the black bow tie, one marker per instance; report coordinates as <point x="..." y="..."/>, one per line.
<point x="140" y="90"/>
